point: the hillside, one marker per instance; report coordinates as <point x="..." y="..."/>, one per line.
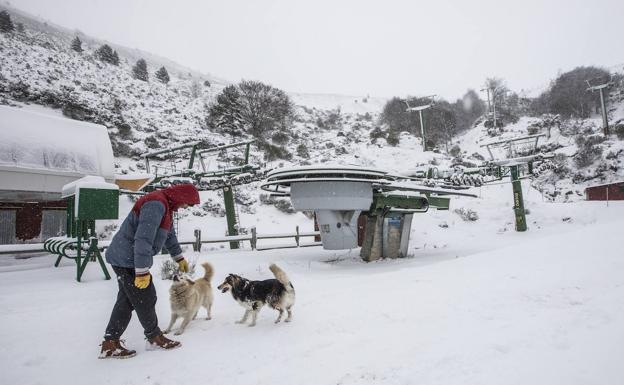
<point x="39" y="69"/>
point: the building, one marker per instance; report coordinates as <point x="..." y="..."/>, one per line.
<point x="39" y="153"/>
<point x="613" y="191"/>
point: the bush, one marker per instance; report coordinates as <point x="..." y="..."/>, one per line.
<point x="393" y="138"/>
<point x="588" y="149"/>
<point x="619" y="130"/>
<point x="280" y="137"/>
<point x="467" y="215"/>
<point x="273" y="152"/>
<point x="125" y="131"/>
<point x="455" y="151"/>
<point x="169" y="268"/>
<point x="151" y="142"/>
<point x="302" y="151"/>
<point x="376" y="133"/>
<point x="281" y="204"/>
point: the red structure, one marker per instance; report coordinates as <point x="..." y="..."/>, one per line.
<point x="31" y="221"/>
<point x="613" y="191"/>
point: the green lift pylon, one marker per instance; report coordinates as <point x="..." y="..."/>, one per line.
<point x="519" y="212"/>
<point x="230" y="214"/>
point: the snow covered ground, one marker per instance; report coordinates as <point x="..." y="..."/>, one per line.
<point x="476" y="303"/>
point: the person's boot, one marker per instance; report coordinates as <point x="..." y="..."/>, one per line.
<point x="161" y="342"/>
<point x="114" y="349"/>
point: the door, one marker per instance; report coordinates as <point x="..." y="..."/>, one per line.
<point x="53" y="224"/>
<point x="7" y="227"/>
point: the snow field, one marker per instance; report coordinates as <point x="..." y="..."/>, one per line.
<point x="474" y="304"/>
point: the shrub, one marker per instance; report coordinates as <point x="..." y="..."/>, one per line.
<point x="467" y="215"/>
<point x="455" y="151"/>
<point x="281" y="204"/>
<point x="169" y="268"/>
<point x="588" y="149"/>
<point x="280" y="137"/>
<point x="151" y="142"/>
<point x="302" y="151"/>
<point x="393" y="138"/>
<point x="619" y="130"/>
<point x="376" y="133"/>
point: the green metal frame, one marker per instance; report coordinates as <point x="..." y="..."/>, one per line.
<point x="81" y="243"/>
<point x="195" y="151"/>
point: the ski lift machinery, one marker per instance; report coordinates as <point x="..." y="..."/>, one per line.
<point x="339" y="195"/>
<point x="187" y="165"/>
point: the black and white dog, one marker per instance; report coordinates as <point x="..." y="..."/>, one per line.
<point x="278" y="293"/>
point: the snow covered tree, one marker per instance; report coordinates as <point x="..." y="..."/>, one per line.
<point x="225" y="114"/>
<point x="252" y="107"/>
<point x="206" y="83"/>
<point x="162" y="75"/>
<point x="76" y="45"/>
<point x="6" y="25"/>
<point x="139" y="71"/>
<point x="20" y="27"/>
<point x="106" y="54"/>
<point x="395" y="116"/>
<point x="568" y="94"/>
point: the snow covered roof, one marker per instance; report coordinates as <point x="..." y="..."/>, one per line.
<point x="40" y="153"/>
<point x="606" y="184"/>
<point x="95" y="182"/>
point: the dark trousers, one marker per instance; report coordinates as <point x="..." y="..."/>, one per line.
<point x="129" y="298"/>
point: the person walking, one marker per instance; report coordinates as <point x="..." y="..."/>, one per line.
<point x="145" y="231"/>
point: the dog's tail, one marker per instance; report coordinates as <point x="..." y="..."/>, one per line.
<point x="281" y="276"/>
<point x="208" y="271"/>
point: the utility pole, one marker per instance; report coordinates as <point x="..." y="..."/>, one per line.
<point x="601" y="88"/>
<point x="420" y="109"/>
<point x="488" y="97"/>
<point x="494" y="106"/>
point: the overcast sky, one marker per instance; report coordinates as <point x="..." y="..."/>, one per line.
<point x="359" y="47"/>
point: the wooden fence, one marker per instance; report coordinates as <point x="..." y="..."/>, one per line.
<point x="252" y="238"/>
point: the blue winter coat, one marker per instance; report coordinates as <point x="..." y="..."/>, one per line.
<point x="140" y="237"/>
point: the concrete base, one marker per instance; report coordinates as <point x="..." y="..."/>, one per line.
<point x="386" y="237"/>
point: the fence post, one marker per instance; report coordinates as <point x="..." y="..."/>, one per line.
<point x="254" y="238"/>
<point x="197" y="244"/>
<point x="297" y="236"/>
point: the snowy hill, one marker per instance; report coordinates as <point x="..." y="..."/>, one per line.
<point x="583" y="157"/>
<point x="37" y="66"/>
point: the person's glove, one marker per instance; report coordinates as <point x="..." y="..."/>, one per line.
<point x="142" y="281"/>
<point x="183" y="266"/>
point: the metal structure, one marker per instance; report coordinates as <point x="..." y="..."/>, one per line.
<point x="339" y="195"/>
<point x="187" y="164"/>
<point x="601" y="88"/>
<point x="420" y="109"/>
<point x="88" y="199"/>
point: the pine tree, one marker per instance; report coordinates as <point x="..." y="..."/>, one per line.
<point x="6" y="25"/>
<point x="76" y="44"/>
<point x="139" y="71"/>
<point x="20" y="27"/>
<point x="162" y="75"/>
<point x="106" y="54"/>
